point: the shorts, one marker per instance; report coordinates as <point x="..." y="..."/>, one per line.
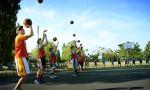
<point x="22" y="66"/>
<point x="42" y="62"/>
<point x="81" y="63"/>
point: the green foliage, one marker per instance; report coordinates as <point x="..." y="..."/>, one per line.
<point x="134" y="52"/>
<point x="49" y="45"/>
<point x="147" y="50"/>
<point x="66" y="52"/>
<point x="34" y="53"/>
<point x="8" y="18"/>
<point x="58" y="57"/>
<point x="122" y="52"/>
<point x="94" y="58"/>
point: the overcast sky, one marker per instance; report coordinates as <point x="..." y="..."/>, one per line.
<point x="97" y="23"/>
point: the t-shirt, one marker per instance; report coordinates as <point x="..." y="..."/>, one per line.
<point x="73" y="54"/>
<point x="41" y="52"/>
<point x="53" y="56"/>
<point x="20" y="46"/>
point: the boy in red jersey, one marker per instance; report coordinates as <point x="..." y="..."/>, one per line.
<point x="21" y="55"/>
<point x="41" y="58"/>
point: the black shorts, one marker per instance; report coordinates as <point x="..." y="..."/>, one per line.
<point x="42" y="62"/>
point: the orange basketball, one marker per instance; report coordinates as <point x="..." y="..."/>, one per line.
<point x="54" y="39"/>
<point x="40" y="1"/>
<point x="27" y="22"/>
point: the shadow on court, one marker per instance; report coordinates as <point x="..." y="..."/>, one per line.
<point x="122" y="88"/>
<point x="87" y="77"/>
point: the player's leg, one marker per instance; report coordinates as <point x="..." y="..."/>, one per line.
<point x="22" y="70"/>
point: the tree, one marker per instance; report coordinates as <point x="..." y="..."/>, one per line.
<point x="147" y="50"/>
<point x="58" y="57"/>
<point x="66" y="52"/>
<point x="129" y="53"/>
<point x="8" y="18"/>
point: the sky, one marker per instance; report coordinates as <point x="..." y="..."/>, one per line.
<point x="97" y="23"/>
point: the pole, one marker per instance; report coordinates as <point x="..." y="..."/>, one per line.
<point x="37" y="39"/>
<point x="38" y="31"/>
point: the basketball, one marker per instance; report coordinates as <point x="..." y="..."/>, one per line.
<point x="27" y="22"/>
<point x="71" y="22"/>
<point x="78" y="41"/>
<point x="54" y="39"/>
<point x="74" y="35"/>
<point x="40" y="1"/>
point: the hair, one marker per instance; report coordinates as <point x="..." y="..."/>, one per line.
<point x="79" y="52"/>
<point x="72" y="47"/>
<point x="21" y="27"/>
<point x="50" y="49"/>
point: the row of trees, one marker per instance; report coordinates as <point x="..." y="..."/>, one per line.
<point x="135" y="52"/>
<point x="8" y="18"/>
<point x="108" y="54"/>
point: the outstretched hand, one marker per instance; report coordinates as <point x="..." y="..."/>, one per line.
<point x="45" y="31"/>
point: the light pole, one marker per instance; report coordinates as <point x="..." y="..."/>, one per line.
<point x="37" y="40"/>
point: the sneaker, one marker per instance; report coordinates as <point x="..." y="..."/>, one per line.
<point x="36" y="82"/>
<point x="81" y="70"/>
<point x="17" y="89"/>
<point x="52" y="77"/>
<point x="41" y="80"/>
<point x="74" y="75"/>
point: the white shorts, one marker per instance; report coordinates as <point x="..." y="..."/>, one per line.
<point x="22" y="66"/>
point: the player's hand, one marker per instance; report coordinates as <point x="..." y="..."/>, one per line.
<point x="45" y="31"/>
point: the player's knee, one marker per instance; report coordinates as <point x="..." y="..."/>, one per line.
<point x="24" y="76"/>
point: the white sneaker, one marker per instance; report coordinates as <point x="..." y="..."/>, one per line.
<point x="81" y="70"/>
<point x="52" y="77"/>
<point x="36" y="82"/>
<point x="74" y="75"/>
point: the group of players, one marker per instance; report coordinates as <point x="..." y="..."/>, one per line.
<point x="21" y="55"/>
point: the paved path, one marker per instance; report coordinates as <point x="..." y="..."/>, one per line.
<point x="116" y="79"/>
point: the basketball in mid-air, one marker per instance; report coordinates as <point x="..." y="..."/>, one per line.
<point x="40" y="1"/>
<point x="71" y="22"/>
<point x="27" y="22"/>
<point x="54" y="38"/>
<point x="74" y="35"/>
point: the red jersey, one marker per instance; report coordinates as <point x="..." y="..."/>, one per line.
<point x="53" y="57"/>
<point x="73" y="54"/>
<point x="41" y="52"/>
